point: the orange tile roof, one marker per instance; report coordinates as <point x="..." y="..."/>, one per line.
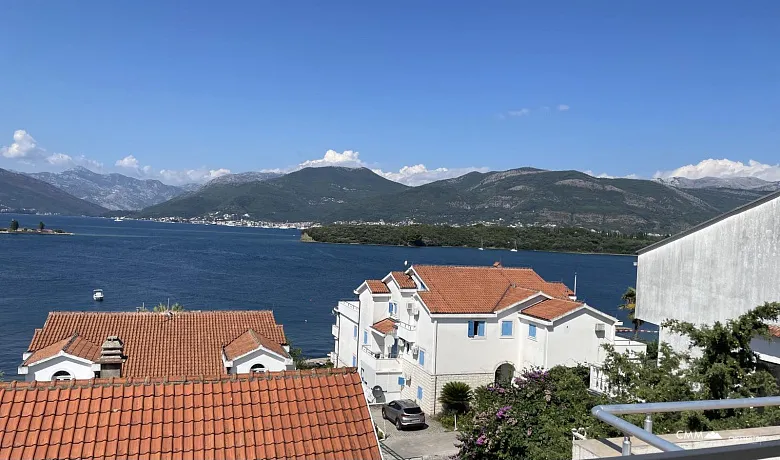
<point x="250" y="341"/>
<point x="551" y="309"/>
<point x="774" y="330"/>
<point x="404" y="280"/>
<point x="73" y="345"/>
<point x="386" y="326"/>
<point x="320" y="414"/>
<point x="157" y="344"/>
<point x="377" y="287"/>
<point x="458" y="289"/>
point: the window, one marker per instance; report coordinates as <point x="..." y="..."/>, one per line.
<point x="365" y="337"/>
<point x="421" y="357"/>
<point x="401" y="381"/>
<point x="419" y="393"/>
<point x="61" y="375"/>
<point x="506" y="328"/>
<point x="476" y="329"/>
<point x="532" y="331"/>
<point x="354" y="360"/>
<point x="392" y="308"/>
<point x="257" y="368"/>
<point x="354" y="331"/>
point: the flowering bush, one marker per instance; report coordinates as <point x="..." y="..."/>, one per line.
<point x="532" y="418"/>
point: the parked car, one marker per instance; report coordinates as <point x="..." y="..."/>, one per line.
<point x="404" y="413"/>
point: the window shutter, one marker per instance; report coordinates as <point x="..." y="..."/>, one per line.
<point x="471" y="328"/>
<point x="422" y="358"/>
<point x="481" y="328"/>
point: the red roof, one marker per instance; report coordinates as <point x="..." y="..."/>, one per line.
<point x="73" y="345"/>
<point x="457" y="289"/>
<point x="404" y="281"/>
<point x="320" y="414"/>
<point x="386" y="326"/>
<point x="774" y="330"/>
<point x="551" y="309"/>
<point x="377" y="287"/>
<point x="159" y="344"/>
<point x="250" y="341"/>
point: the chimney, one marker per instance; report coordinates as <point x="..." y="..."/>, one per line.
<point x="111" y="357"/>
<point x="497" y="264"/>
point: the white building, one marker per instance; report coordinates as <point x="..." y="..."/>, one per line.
<point x="86" y="345"/>
<point x="715" y="271"/>
<point x="412" y="332"/>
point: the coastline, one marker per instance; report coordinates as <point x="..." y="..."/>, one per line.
<point x="35" y="233"/>
<point x="311" y="240"/>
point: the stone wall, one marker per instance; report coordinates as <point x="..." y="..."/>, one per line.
<point x="473" y="380"/>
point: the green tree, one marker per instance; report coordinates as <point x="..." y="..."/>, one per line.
<point x="41" y="225"/>
<point x="14" y="225"/>
<point x="455" y="397"/>
<point x="162" y="307"/>
<point x="629" y="305"/>
<point x="531" y="419"/>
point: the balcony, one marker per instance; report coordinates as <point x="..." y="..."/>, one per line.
<point x="379" y="362"/>
<point x="598" y="380"/>
<point x="350" y="309"/>
<point x="407" y="332"/>
<point x="335" y="330"/>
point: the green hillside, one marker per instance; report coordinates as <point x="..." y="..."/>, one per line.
<point x="19" y="191"/>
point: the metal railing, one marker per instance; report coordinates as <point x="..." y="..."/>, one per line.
<point x="609" y="414"/>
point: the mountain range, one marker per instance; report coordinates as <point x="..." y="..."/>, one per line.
<point x="111" y="191"/>
<point x="524" y="195"/>
<point x="742" y="183"/>
<point x="20" y="192"/>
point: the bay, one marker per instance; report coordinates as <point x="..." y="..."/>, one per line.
<point x="233" y="268"/>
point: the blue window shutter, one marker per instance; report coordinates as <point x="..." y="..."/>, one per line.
<point x="471" y="328"/>
<point x="401" y="381"/>
<point x="422" y="358"/>
<point x="506" y="328"/>
<point x="354" y="360"/>
<point x="365" y="337"/>
<point x="481" y="328"/>
<point x="532" y="330"/>
<point x="390" y="308"/>
<point x="354" y="331"/>
<point x="419" y="393"/>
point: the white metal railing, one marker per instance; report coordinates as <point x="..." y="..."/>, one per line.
<point x="599" y="382"/>
<point x="349" y="304"/>
<point x="407" y="331"/>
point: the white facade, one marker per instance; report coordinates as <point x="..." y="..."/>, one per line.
<point x="259" y="360"/>
<point x="428" y="350"/>
<point x="714" y="272"/>
<point x="44" y="371"/>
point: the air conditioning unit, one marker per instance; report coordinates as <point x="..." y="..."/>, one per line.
<point x="415" y="350"/>
<point x="409" y="306"/>
<point x="601" y="327"/>
<point x="408" y="379"/>
<point x="415" y="310"/>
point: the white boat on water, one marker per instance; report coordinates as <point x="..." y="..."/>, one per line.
<point x="481" y="245"/>
<point x="118" y="219"/>
<point x="97" y="295"/>
<point x="515" y="248"/>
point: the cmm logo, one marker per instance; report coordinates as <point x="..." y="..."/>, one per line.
<point x="698" y="435"/>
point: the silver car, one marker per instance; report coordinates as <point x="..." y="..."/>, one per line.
<point x="403" y="412"/>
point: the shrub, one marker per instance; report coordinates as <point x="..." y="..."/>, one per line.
<point x="456" y="397"/>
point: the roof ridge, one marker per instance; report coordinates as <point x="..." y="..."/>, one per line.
<point x="477" y="267"/>
<point x="115" y="312"/>
<point x="70" y="342"/>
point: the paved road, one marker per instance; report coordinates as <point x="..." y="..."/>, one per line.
<point x="432" y="441"/>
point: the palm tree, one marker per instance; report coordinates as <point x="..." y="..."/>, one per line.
<point x="629" y="305"/>
<point x="455" y="397"/>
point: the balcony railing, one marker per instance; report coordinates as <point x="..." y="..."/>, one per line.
<point x="407" y="331"/>
<point x="599" y="383"/>
<point x="609" y="414"/>
<point x="349" y="308"/>
<point x="380" y="362"/>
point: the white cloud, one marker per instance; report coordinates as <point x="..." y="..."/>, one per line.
<point x="519" y="113"/>
<point x="128" y="162"/>
<point x="563" y="107"/>
<point x="419" y="174"/>
<point x="525" y="111"/>
<point x="348" y="158"/>
<point x="23" y="147"/>
<point x="608" y="176"/>
<point x="186" y="176"/>
<point x="724" y="168"/>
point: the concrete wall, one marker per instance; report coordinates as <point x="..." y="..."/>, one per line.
<point x="714" y="274"/>
<point x="575" y="341"/>
<point x="531" y="350"/>
<point x="44" y="371"/>
<point x="271" y="362"/>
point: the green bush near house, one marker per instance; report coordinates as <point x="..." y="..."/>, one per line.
<point x="456" y="397"/>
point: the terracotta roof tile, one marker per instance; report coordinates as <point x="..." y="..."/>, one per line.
<point x="774" y="330"/>
<point x="183" y="418"/>
<point x="404" y="281"/>
<point x="458" y="289"/>
<point x="377" y="287"/>
<point x="73" y="345"/>
<point x="250" y="341"/>
<point x="156" y="344"/>
<point x="386" y="326"/>
<point x="551" y="309"/>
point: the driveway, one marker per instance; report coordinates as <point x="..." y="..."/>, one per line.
<point x="431" y="442"/>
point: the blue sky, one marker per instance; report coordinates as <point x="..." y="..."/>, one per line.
<point x="610" y="87"/>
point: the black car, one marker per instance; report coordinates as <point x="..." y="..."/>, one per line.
<point x="403" y="412"/>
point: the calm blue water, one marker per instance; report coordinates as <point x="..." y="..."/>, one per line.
<point x="211" y="267"/>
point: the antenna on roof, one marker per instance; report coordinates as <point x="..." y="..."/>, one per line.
<point x="575" y="284"/>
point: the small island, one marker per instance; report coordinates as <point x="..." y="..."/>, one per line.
<point x="530" y="238"/>
<point x="16" y="229"/>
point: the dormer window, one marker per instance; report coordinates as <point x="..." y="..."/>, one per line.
<point x="257" y="368"/>
<point x="61" y="375"/>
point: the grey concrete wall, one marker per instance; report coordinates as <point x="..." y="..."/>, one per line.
<point x="716" y="273"/>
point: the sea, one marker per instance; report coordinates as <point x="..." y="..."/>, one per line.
<point x="209" y="267"/>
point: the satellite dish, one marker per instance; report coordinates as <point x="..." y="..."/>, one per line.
<point x="406" y="262"/>
<point x="378" y="393"/>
